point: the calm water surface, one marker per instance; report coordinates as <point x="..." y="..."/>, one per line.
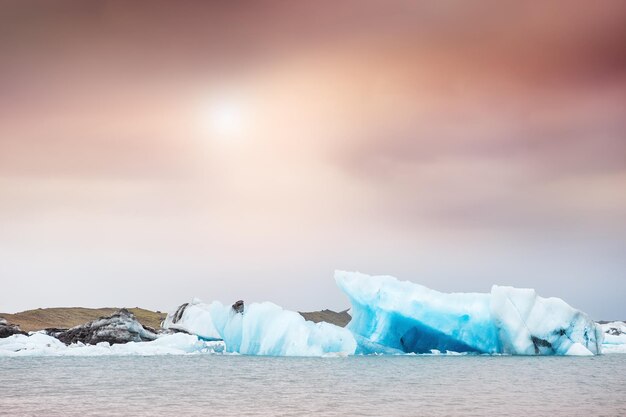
<point x="372" y="386"/>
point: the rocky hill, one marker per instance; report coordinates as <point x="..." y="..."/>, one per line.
<point x="341" y="318"/>
<point x="67" y="317"/>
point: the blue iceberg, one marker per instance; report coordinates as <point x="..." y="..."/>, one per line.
<point x="398" y="317"/>
<point x="412" y="318"/>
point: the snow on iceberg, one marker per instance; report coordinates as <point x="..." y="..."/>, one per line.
<point x="261" y="329"/>
<point x="412" y="318"/>
<point x="40" y="344"/>
<point x="614" y="337"/>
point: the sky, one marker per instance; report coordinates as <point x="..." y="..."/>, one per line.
<point x="151" y="152"/>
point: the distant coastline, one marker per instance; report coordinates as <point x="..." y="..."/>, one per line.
<point x="67" y="317"/>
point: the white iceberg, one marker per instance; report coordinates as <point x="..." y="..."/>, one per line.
<point x="614" y="337"/>
<point x="194" y="318"/>
<point x="40" y="344"/>
<point x="530" y="325"/>
<point x="412" y="318"/>
<point x="262" y="329"/>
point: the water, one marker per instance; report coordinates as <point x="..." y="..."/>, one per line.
<point x="370" y="386"/>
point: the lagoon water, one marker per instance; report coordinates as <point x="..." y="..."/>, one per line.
<point x="201" y="385"/>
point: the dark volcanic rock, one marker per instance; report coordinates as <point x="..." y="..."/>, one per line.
<point x="614" y="331"/>
<point x="121" y="327"/>
<point x="179" y="312"/>
<point x="238" y="306"/>
<point x="54" y="332"/>
<point x="540" y="344"/>
<point x="7" y="329"/>
<point x="173" y="331"/>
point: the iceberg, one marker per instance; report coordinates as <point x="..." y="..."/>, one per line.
<point x="399" y="317"/>
<point x="41" y="344"/>
<point x="388" y="316"/>
<point x="261" y="329"/>
<point x="614" y="337"/>
<point x="532" y="325"/>
<point x="412" y="318"/>
<point x="194" y="318"/>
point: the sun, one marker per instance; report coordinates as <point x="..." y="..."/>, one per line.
<point x="223" y="118"/>
<point x="226" y="118"/>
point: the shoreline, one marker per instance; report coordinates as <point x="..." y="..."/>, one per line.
<point x="68" y="317"/>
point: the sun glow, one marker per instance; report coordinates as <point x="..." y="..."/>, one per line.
<point x="223" y="118"/>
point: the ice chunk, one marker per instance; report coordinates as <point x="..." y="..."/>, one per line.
<point x="37" y="344"/>
<point x="267" y="329"/>
<point x="614" y="337"/>
<point x="614" y="333"/>
<point x="40" y="344"/>
<point x="531" y="325"/>
<point x="576" y="349"/>
<point x="194" y="318"/>
<point x="410" y="317"/>
<point x="609" y="348"/>
<point x="367" y="347"/>
<point x="264" y="329"/>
